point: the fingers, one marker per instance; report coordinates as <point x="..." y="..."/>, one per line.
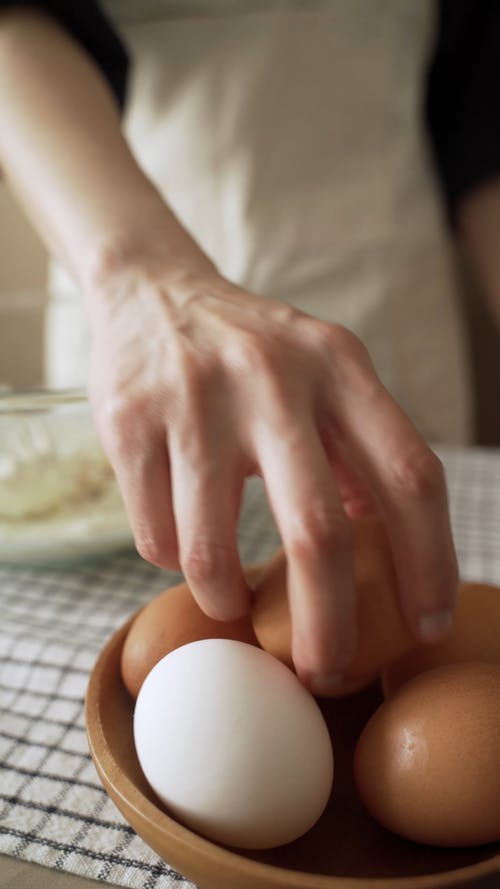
<point x="409" y="485"/>
<point x="207" y="491"/>
<point x="139" y="458"/>
<point x="317" y="541"/>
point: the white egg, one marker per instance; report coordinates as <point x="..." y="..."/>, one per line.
<point x="233" y="744"/>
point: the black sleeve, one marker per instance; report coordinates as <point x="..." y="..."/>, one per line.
<point x="463" y="96"/>
<point x="89" y="26"/>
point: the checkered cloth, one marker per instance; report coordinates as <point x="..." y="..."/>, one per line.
<point x="53" y="622"/>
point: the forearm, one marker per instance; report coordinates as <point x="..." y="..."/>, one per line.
<point x="479" y="226"/>
<point x="62" y="151"/>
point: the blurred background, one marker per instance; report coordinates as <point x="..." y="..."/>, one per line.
<point x="23" y="299"/>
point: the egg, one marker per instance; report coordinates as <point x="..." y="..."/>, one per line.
<point x="427" y="764"/>
<point x="233" y="744"/>
<point x="382" y="631"/>
<point x="475" y="637"/>
<point x="170" y="620"/>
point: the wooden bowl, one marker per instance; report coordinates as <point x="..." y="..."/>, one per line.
<point x="345" y="850"/>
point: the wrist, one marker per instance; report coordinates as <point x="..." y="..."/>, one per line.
<point x="154" y="260"/>
<point x="153" y="245"/>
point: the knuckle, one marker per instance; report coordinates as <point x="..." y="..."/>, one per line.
<point x="113" y="412"/>
<point x="283" y="314"/>
<point x="338" y="339"/>
<point x="123" y="422"/>
<point x="160" y="553"/>
<point x="318" y="531"/>
<point x="252" y="353"/>
<point x="349" y="357"/>
<point x="419" y="475"/>
<point x="204" y="563"/>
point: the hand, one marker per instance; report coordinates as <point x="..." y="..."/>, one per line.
<point x="197" y="384"/>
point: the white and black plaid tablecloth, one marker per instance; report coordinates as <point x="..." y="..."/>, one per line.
<point x="54" y="621"/>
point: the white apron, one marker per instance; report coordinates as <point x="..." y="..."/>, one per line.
<point x="287" y="137"/>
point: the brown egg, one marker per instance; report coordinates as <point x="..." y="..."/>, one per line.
<point x="475" y="637"/>
<point x="382" y="632"/>
<point x="170" y="620"/>
<point x="427" y="764"/>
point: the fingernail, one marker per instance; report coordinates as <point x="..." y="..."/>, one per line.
<point x="325" y="685"/>
<point x="433" y="626"/>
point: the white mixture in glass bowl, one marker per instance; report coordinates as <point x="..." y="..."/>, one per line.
<point x="58" y="494"/>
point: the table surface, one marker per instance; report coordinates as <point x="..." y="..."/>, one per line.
<point x="55" y="620"/>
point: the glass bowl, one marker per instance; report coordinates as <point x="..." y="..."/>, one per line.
<point x="59" y="499"/>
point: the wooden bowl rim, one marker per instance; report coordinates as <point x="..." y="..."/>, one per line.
<point x="282" y="878"/>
